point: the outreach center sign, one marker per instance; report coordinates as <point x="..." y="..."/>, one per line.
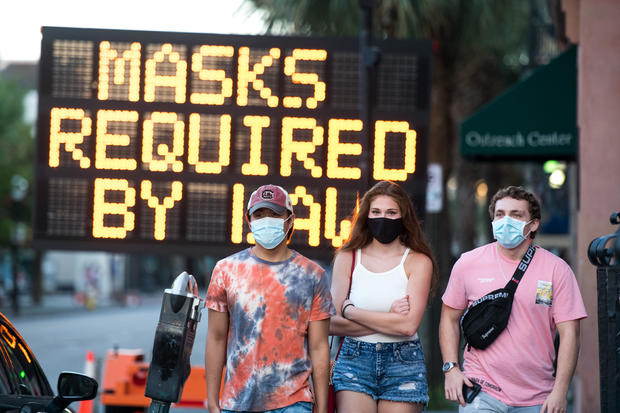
<point x="536" y="118"/>
<point x="534" y="139"/>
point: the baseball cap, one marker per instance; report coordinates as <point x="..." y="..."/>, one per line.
<point x="270" y="196"/>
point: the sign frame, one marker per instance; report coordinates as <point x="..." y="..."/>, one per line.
<point x="416" y="114"/>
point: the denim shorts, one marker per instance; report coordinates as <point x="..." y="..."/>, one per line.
<point x="386" y="371"/>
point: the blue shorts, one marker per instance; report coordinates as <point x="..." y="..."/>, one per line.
<point x="386" y="371"/>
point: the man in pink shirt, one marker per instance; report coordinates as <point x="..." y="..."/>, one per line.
<point x="516" y="371"/>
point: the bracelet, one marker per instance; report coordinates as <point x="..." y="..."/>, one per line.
<point x="345" y="307"/>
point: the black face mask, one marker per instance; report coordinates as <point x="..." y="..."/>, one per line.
<point x="385" y="230"/>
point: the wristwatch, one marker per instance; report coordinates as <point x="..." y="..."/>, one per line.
<point x="447" y="366"/>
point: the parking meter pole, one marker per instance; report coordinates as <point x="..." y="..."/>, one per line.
<point x="159" y="407"/>
<point x="604" y="253"/>
<point x="179" y="316"/>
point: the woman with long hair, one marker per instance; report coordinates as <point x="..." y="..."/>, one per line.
<point x="380" y="368"/>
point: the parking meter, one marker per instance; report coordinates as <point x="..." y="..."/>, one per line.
<point x="180" y="313"/>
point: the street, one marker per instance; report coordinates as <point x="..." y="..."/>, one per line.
<point x="60" y="341"/>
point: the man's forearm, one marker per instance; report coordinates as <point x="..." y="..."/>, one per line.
<point x="449" y="337"/>
<point x="567" y="357"/>
<point x="318" y="348"/>
<point x="214" y="365"/>
<point x="320" y="376"/>
<point x="215" y="357"/>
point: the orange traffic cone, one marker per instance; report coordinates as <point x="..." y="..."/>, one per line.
<point x="86" y="406"/>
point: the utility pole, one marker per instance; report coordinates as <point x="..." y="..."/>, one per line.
<point x="369" y="58"/>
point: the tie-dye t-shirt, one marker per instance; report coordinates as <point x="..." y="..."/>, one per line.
<point x="270" y="306"/>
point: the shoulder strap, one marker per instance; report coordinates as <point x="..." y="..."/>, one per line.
<point x="402" y="260"/>
<point x="513" y="283"/>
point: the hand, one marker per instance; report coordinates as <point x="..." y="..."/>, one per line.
<point x="316" y="409"/>
<point x="400" y="306"/>
<point x="214" y="408"/>
<point x="453" y="385"/>
<point x="554" y="403"/>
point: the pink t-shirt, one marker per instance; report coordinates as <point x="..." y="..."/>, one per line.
<point x="518" y="367"/>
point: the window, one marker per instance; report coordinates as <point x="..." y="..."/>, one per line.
<point x="20" y="365"/>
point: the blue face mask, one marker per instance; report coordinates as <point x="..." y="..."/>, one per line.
<point x="268" y="231"/>
<point x="509" y="231"/>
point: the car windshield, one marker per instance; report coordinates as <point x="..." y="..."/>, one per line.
<point x="5" y="387"/>
<point x="18" y="365"/>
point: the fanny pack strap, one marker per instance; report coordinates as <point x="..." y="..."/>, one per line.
<point x="512" y="285"/>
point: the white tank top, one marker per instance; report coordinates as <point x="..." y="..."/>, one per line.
<point x="376" y="291"/>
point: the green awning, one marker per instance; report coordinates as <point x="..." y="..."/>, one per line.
<point x="534" y="119"/>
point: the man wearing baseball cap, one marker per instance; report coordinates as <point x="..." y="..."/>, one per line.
<point x="269" y="311"/>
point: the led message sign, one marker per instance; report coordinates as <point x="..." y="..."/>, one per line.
<point x="153" y="141"/>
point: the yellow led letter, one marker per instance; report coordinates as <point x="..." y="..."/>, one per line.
<point x="304" y="78"/>
<point x="238" y="212"/>
<point x="69" y="139"/>
<point x="163" y="150"/>
<point x="206" y="167"/>
<point x="105" y="139"/>
<point x="176" y="81"/>
<point x="176" y="193"/>
<point x="335" y="148"/>
<point x="245" y="76"/>
<point x="101" y="208"/>
<point x="331" y="207"/>
<point x="300" y="148"/>
<point x="256" y="125"/>
<point x="382" y="128"/>
<point x="212" y="75"/>
<point x="312" y="224"/>
<point x="110" y="57"/>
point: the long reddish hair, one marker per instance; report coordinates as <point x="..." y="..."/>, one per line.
<point x="412" y="237"/>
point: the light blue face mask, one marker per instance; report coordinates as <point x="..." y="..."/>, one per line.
<point x="268" y="231"/>
<point x="509" y="231"/>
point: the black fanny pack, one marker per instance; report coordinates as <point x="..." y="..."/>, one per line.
<point x="488" y="316"/>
